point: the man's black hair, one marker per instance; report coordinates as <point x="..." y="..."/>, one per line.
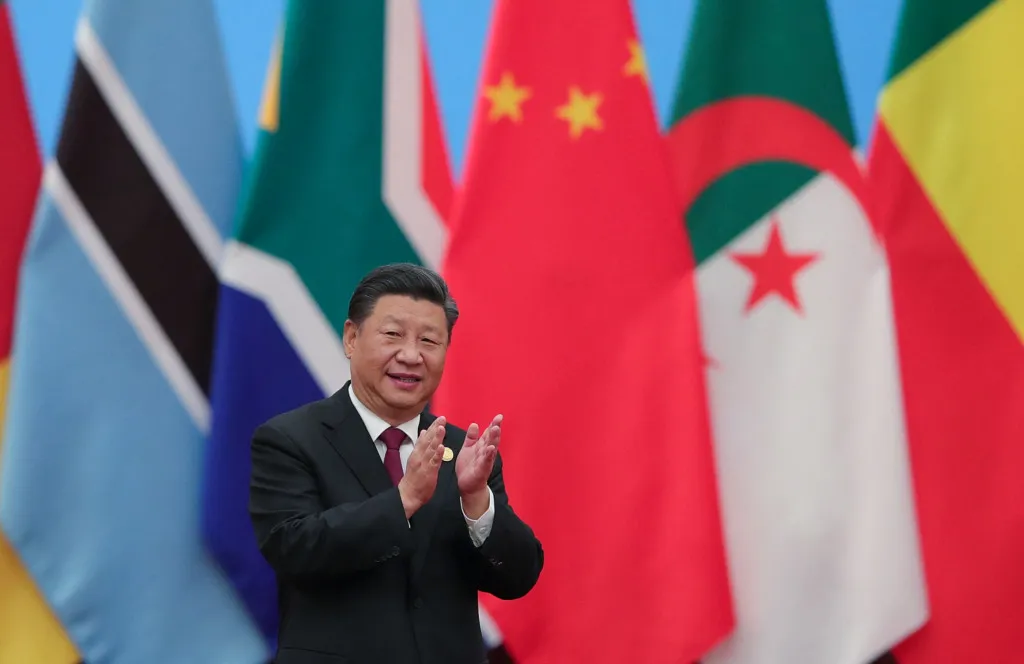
<point x="407" y="279"/>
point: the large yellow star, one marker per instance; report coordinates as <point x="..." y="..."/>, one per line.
<point x="506" y="99"/>
<point x="637" y="64"/>
<point x="580" y="112"/>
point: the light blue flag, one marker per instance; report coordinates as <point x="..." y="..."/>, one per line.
<point x="108" y="411"/>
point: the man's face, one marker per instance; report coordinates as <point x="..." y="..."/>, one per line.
<point x="397" y="356"/>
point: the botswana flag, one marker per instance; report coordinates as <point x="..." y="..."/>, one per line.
<point x="108" y="410"/>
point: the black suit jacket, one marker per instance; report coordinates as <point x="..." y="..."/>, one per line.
<point x="357" y="583"/>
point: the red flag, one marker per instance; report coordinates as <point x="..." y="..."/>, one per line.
<point x="20" y="168"/>
<point x="435" y="169"/>
<point x="572" y="270"/>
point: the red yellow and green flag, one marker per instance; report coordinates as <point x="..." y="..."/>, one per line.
<point x="945" y="167"/>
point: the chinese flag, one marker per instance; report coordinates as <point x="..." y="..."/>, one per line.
<point x="572" y="271"/>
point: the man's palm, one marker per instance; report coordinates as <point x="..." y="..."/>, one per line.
<point x="476" y="458"/>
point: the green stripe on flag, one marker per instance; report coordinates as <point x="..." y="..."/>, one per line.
<point x="315" y="198"/>
<point x="925" y="23"/>
<point x="755" y="49"/>
<point x="788" y="53"/>
<point x="737" y="200"/>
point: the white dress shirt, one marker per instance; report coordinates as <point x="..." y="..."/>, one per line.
<point x="480" y="528"/>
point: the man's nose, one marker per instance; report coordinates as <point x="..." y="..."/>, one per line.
<point x="409" y="353"/>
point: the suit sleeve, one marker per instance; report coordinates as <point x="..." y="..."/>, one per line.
<point x="302" y="540"/>
<point x="511" y="558"/>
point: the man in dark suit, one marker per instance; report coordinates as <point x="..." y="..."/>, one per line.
<point x="380" y="543"/>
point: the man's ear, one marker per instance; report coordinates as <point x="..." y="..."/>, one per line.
<point x="348" y="337"/>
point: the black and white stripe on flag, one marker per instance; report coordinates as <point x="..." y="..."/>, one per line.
<point x="144" y="233"/>
<point x="137" y="219"/>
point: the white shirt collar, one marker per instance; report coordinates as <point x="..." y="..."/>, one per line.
<point x="376" y="426"/>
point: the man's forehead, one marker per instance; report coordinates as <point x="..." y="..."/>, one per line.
<point x="405" y="317"/>
<point x="432" y="316"/>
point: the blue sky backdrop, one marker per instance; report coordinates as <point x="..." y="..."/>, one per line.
<point x="456" y="33"/>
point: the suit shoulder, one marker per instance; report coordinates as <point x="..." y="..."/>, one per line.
<point x="297" y="420"/>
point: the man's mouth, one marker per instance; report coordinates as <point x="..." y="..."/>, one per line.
<point x="404" y="378"/>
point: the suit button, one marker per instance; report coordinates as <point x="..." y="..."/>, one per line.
<point x="395" y="551"/>
<point x="417" y="603"/>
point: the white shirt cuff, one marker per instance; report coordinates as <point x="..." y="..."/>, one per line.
<point x="480" y="528"/>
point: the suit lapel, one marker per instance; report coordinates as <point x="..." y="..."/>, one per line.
<point x="345" y="431"/>
<point x="424" y="520"/>
<point x="347" y="434"/>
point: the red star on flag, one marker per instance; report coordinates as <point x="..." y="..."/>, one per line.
<point x="774" y="270"/>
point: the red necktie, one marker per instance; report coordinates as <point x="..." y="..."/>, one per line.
<point x="393" y="439"/>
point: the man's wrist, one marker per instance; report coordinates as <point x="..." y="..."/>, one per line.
<point x="410" y="504"/>
<point x="474" y="504"/>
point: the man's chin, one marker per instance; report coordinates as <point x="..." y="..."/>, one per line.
<point x="403" y="397"/>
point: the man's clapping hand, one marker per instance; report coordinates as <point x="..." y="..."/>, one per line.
<point x="474" y="464"/>
<point x="417" y="485"/>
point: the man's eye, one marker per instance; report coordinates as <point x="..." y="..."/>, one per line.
<point x="391" y="333"/>
<point x="429" y="341"/>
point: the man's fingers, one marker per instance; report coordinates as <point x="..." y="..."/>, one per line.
<point x="491" y="436"/>
<point x="430" y="437"/>
<point x="422" y="443"/>
<point x="435" y="441"/>
<point x="472" y="435"/>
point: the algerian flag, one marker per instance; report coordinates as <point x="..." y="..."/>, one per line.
<point x="798" y="327"/>
<point x="349" y="173"/>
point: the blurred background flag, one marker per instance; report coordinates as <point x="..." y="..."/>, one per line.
<point x="350" y="172"/>
<point x="797" y="319"/>
<point x="108" y="410"/>
<point x="29" y="632"/>
<point x="572" y="271"/>
<point x="946" y="166"/>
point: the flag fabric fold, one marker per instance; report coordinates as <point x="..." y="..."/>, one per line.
<point x="29" y="631"/>
<point x="579" y="325"/>
<point x="945" y="167"/>
<point x="803" y="372"/>
<point x="108" y="408"/>
<point x="349" y="173"/>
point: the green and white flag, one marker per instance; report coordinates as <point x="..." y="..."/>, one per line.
<point x="797" y="320"/>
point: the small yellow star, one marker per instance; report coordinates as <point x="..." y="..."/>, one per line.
<point x="506" y="99"/>
<point x="580" y="112"/>
<point x="637" y="64"/>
